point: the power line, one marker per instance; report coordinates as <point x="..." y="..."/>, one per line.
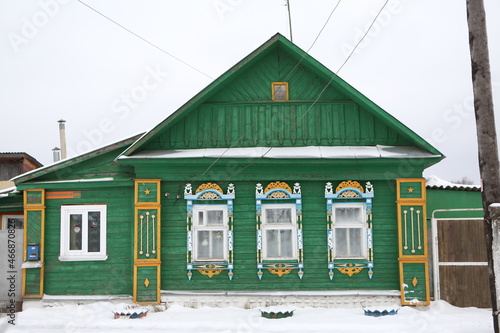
<point x="321" y="92"/>
<point x="366" y="33"/>
<point x="324" y="25"/>
<point x="315" y="39"/>
<point x="145" y="40"/>
<point x="347" y="59"/>
<point x="317" y="98"/>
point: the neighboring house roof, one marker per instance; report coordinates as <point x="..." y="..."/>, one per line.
<point x="16" y="155"/>
<point x="434" y="182"/>
<point x="68" y="162"/>
<point x="283" y="48"/>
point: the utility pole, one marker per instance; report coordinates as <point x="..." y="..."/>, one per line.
<point x="487" y="141"/>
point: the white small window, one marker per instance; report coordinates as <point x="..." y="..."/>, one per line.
<point x="210" y="232"/>
<point x="83" y="233"/>
<point x="349" y="225"/>
<point x="279" y="91"/>
<point x="12" y="222"/>
<point x="279" y="231"/>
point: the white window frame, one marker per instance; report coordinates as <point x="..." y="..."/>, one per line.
<point x="82" y="255"/>
<point x="5" y="219"/>
<point x="361" y="225"/>
<point x="196" y="227"/>
<point x="277" y="226"/>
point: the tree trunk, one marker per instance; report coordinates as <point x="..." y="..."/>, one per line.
<point x="486" y="132"/>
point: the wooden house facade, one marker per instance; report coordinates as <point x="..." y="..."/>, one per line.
<point x="279" y="177"/>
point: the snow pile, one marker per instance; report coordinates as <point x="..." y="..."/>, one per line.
<point x="98" y="317"/>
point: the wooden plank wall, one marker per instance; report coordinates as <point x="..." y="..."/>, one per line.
<point x="110" y="277"/>
<point x="463" y="241"/>
<point x="174" y="273"/>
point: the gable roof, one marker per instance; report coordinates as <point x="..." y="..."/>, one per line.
<point x="303" y="59"/>
<point x="69" y="162"/>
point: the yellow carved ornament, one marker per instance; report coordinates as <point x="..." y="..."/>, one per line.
<point x="209" y="186"/>
<point x="278" y="184"/>
<point x="209" y="195"/>
<point x="351" y="184"/>
<point x="210" y="272"/>
<point x="279" y="271"/>
<point x="278" y="194"/>
<point x="350" y="270"/>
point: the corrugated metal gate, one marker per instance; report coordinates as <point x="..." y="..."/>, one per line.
<point x="460" y="264"/>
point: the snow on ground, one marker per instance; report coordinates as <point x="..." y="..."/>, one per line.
<point x="98" y="317"/>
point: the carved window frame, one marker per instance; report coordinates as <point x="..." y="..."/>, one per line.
<point x="209" y="194"/>
<point x="349" y="193"/>
<point x="279" y="193"/>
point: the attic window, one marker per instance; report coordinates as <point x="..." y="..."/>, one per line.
<point x="280" y="91"/>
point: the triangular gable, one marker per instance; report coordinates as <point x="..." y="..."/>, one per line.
<point x="77" y="167"/>
<point x="209" y="119"/>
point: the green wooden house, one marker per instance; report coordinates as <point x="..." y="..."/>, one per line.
<point x="279" y="179"/>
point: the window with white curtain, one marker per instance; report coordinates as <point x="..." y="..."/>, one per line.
<point x="349" y="227"/>
<point x="210" y="232"/>
<point x="279" y="231"/>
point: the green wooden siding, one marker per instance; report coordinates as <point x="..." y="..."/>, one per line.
<point x="147" y="283"/>
<point x="412" y="230"/>
<point x="276" y="124"/>
<point x="110" y="277"/>
<point x="316" y="277"/>
<point x="277" y="65"/>
<point x="411" y="190"/>
<point x="241" y="113"/>
<point x="414" y="279"/>
<point x="147" y="233"/>
<point x="33" y="226"/>
<point x="32" y="286"/>
<point x="453" y="199"/>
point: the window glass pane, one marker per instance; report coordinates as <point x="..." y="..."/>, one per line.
<point x="203" y="242"/>
<point x="349" y="215"/>
<point x="278" y="215"/>
<point x="215" y="217"/>
<point x="348" y="242"/>
<point x="279" y="92"/>
<point x="75" y="231"/>
<point x="272" y="243"/>
<point x="279" y="243"/>
<point x="355" y="248"/>
<point x="286" y="243"/>
<point x="341" y="249"/>
<point x="217" y="244"/>
<point x="94" y="232"/>
<point x="210" y="244"/>
<point x="200" y="217"/>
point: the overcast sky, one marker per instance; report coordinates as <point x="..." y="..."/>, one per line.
<point x="62" y="60"/>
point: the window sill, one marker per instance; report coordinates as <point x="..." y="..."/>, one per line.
<point x="83" y="257"/>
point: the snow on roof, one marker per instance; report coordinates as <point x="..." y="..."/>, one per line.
<point x="434" y="182"/>
<point x="6" y="191"/>
<point x="325" y="152"/>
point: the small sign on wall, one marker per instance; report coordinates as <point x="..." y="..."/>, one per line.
<point x="63" y="195"/>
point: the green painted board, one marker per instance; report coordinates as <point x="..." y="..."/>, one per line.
<point x="147" y="284"/>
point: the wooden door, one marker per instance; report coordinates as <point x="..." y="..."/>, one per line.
<point x="462" y="263"/>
